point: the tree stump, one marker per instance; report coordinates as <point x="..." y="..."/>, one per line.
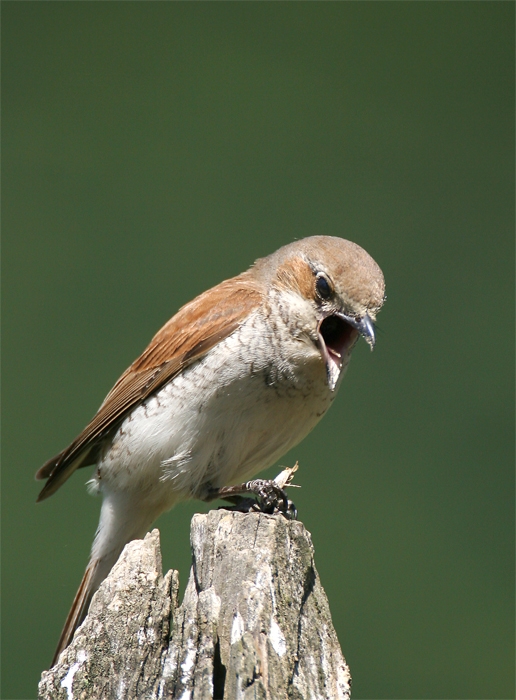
<point x="254" y="622"/>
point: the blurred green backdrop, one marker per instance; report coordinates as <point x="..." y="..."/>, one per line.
<point x="151" y="150"/>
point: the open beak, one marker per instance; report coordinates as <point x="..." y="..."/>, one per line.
<point x="338" y="333"/>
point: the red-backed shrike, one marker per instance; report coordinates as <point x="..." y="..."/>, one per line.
<point x="235" y="379"/>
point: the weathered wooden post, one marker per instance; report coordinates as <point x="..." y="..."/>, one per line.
<point x="254" y="622"/>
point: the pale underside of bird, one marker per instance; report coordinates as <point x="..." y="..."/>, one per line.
<point x="234" y="380"/>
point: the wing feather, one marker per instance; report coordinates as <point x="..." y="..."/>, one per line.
<point x="191" y="333"/>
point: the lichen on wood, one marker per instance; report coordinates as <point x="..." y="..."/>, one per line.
<point x="254" y="621"/>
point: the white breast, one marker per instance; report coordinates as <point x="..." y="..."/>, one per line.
<point x="226" y="417"/>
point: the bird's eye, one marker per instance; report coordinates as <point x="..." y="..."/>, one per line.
<point x="323" y="286"/>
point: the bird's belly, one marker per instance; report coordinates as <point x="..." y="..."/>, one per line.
<point x="221" y="420"/>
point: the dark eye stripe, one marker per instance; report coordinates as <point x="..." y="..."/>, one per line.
<point x="323" y="286"/>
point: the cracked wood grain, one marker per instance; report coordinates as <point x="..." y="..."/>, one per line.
<point x="254" y="622"/>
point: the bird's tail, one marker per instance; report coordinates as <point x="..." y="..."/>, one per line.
<point x="79" y="607"/>
<point x="119" y="524"/>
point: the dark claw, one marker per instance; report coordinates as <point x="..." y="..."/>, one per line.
<point x="291" y="513"/>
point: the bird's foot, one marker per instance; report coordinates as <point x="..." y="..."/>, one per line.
<point x="270" y="495"/>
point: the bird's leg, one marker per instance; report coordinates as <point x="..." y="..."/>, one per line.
<point x="270" y="494"/>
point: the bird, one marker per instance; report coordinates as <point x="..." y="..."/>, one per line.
<point x="235" y="379"/>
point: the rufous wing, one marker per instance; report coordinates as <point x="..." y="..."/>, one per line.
<point x="191" y="333"/>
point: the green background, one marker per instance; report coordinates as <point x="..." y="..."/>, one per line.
<point x="151" y="150"/>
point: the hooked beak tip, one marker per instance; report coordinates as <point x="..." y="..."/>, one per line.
<point x="365" y="327"/>
<point x="368" y="332"/>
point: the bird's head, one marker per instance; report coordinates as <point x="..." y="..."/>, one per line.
<point x="335" y="289"/>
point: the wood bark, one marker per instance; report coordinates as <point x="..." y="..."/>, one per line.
<point x="254" y="622"/>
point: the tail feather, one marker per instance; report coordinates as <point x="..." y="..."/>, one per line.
<point x="120" y="522"/>
<point x="79" y="607"/>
